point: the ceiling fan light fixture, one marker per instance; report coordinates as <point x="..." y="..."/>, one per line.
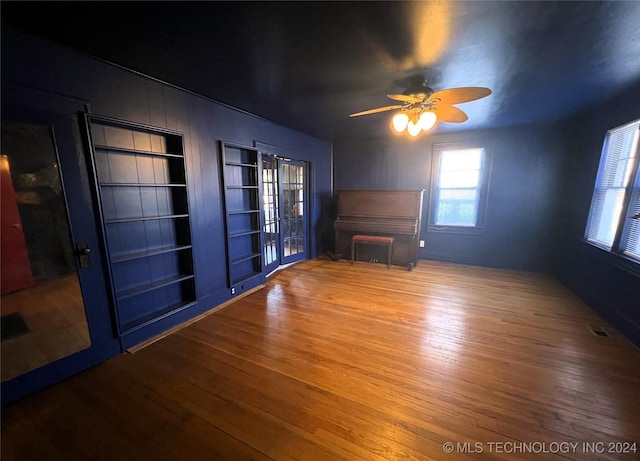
<point x="427" y="120"/>
<point x="400" y="121"/>
<point x="421" y="108"/>
<point x="414" y="123"/>
<point x="413" y="129"/>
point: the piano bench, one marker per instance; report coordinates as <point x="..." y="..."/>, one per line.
<point x="372" y="240"/>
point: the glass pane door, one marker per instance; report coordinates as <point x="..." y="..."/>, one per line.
<point x="43" y="316"/>
<point x="56" y="316"/>
<point x="271" y="216"/>
<point x="293" y="211"/>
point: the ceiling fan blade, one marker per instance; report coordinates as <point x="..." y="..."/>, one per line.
<point x="375" y="111"/>
<point x="404" y="98"/>
<point x="450" y="114"/>
<point x="460" y="95"/>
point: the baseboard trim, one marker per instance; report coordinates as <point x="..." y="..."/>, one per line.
<point x="148" y="342"/>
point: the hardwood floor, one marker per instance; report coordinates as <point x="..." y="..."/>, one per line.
<point x="337" y="362"/>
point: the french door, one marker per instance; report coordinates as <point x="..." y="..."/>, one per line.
<point x="271" y="213"/>
<point x="285" y="216"/>
<point x="293" y="187"/>
<point x="56" y="315"/>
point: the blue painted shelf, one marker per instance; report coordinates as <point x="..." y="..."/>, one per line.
<point x="145" y="211"/>
<point x="241" y="168"/>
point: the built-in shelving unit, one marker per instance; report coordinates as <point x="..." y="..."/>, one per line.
<point x="142" y="187"/>
<point x="242" y="203"/>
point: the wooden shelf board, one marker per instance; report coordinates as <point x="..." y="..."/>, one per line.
<point x="250" y="165"/>
<point x="245" y="257"/>
<point x="146" y="218"/>
<point x="152" y="286"/>
<point x="135" y="152"/>
<point x="135" y="184"/>
<point x="146" y="253"/>
<point x="243" y="212"/>
<point x="242" y="234"/>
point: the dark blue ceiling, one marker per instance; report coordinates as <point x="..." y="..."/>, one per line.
<point x="310" y="64"/>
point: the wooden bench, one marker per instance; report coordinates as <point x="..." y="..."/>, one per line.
<point x="372" y="240"/>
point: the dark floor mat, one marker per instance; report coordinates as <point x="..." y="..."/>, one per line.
<point x="13" y="325"/>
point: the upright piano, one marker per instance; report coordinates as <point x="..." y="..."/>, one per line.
<point x="393" y="213"/>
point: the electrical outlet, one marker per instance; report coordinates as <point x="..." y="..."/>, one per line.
<point x="421" y="243"/>
<point x="233" y="291"/>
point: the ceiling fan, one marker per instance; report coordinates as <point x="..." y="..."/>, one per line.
<point x="421" y="107"/>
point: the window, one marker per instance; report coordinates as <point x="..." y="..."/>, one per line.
<point x="458" y="187"/>
<point x="616" y="196"/>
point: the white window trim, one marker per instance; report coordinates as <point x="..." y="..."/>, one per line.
<point x="484" y="187"/>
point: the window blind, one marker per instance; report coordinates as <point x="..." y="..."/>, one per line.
<point x="617" y="165"/>
<point x="632" y="242"/>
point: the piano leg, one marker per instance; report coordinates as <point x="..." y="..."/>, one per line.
<point x="353" y="247"/>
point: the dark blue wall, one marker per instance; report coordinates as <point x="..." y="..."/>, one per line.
<point x="524" y="185"/>
<point x="119" y="93"/>
<point x="609" y="284"/>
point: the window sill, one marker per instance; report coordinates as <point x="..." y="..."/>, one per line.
<point x="462" y="230"/>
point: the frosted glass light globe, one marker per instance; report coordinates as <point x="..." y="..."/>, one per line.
<point x="427" y="120"/>
<point x="414" y="129"/>
<point x="400" y="122"/>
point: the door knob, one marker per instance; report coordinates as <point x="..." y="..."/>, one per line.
<point x="84" y="255"/>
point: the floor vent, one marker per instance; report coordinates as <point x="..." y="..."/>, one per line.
<point x="598" y="331"/>
<point x="13" y="325"/>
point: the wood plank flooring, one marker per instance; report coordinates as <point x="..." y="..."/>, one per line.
<point x="337" y="362"/>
